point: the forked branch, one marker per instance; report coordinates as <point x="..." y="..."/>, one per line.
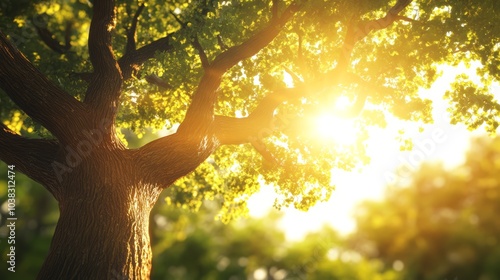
<point x="200" y="113"/>
<point x="131" y="31"/>
<point x="132" y="60"/>
<point x="104" y="89"/>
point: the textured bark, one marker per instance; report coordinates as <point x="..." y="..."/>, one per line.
<point x="37" y="95"/>
<point x="103" y="229"/>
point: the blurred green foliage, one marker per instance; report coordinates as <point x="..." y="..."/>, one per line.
<point x="402" y="57"/>
<point x="37" y="213"/>
<point x="252" y="249"/>
<point x="442" y="225"/>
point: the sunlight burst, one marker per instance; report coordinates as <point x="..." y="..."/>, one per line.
<point x="342" y="102"/>
<point x="341" y="131"/>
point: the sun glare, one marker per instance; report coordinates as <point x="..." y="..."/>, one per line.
<point x="339" y="130"/>
<point x="342" y="102"/>
<point x="332" y="127"/>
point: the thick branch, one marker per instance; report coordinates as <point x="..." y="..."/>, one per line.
<point x="32" y="157"/>
<point x="235" y="54"/>
<point x="356" y="33"/>
<point x="166" y="159"/>
<point x="200" y="113"/>
<point x="262" y="121"/>
<point x="104" y="89"/>
<point x="260" y="124"/>
<point x="132" y="60"/>
<point x="34" y="93"/>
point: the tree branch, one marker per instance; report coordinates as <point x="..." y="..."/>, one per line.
<point x="173" y="156"/>
<point x="221" y="43"/>
<point x="275" y="8"/>
<point x="203" y="56"/>
<point x="38" y="97"/>
<point x="179" y="21"/>
<point x="235" y="54"/>
<point x="166" y="159"/>
<point x="262" y="121"/>
<point x="200" y="113"/>
<point x="258" y="125"/>
<point x="356" y="33"/>
<point x="132" y="60"/>
<point x="32" y="157"/>
<point x="131" y="44"/>
<point x="105" y="87"/>
<point x="155" y="80"/>
<point x="49" y="39"/>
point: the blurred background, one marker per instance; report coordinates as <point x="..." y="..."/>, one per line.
<point x="436" y="222"/>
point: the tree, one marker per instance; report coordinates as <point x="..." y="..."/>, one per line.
<point x="216" y="69"/>
<point x="443" y="224"/>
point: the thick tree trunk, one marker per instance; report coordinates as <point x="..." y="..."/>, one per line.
<point x="103" y="229"/>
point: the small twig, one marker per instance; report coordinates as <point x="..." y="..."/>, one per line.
<point x="221" y="43"/>
<point x="67" y="35"/>
<point x="183" y="24"/>
<point x="155" y="80"/>
<point x="295" y="77"/>
<point x="403" y="18"/>
<point x="203" y="56"/>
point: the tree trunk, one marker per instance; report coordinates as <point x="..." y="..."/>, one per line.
<point x="103" y="229"/>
